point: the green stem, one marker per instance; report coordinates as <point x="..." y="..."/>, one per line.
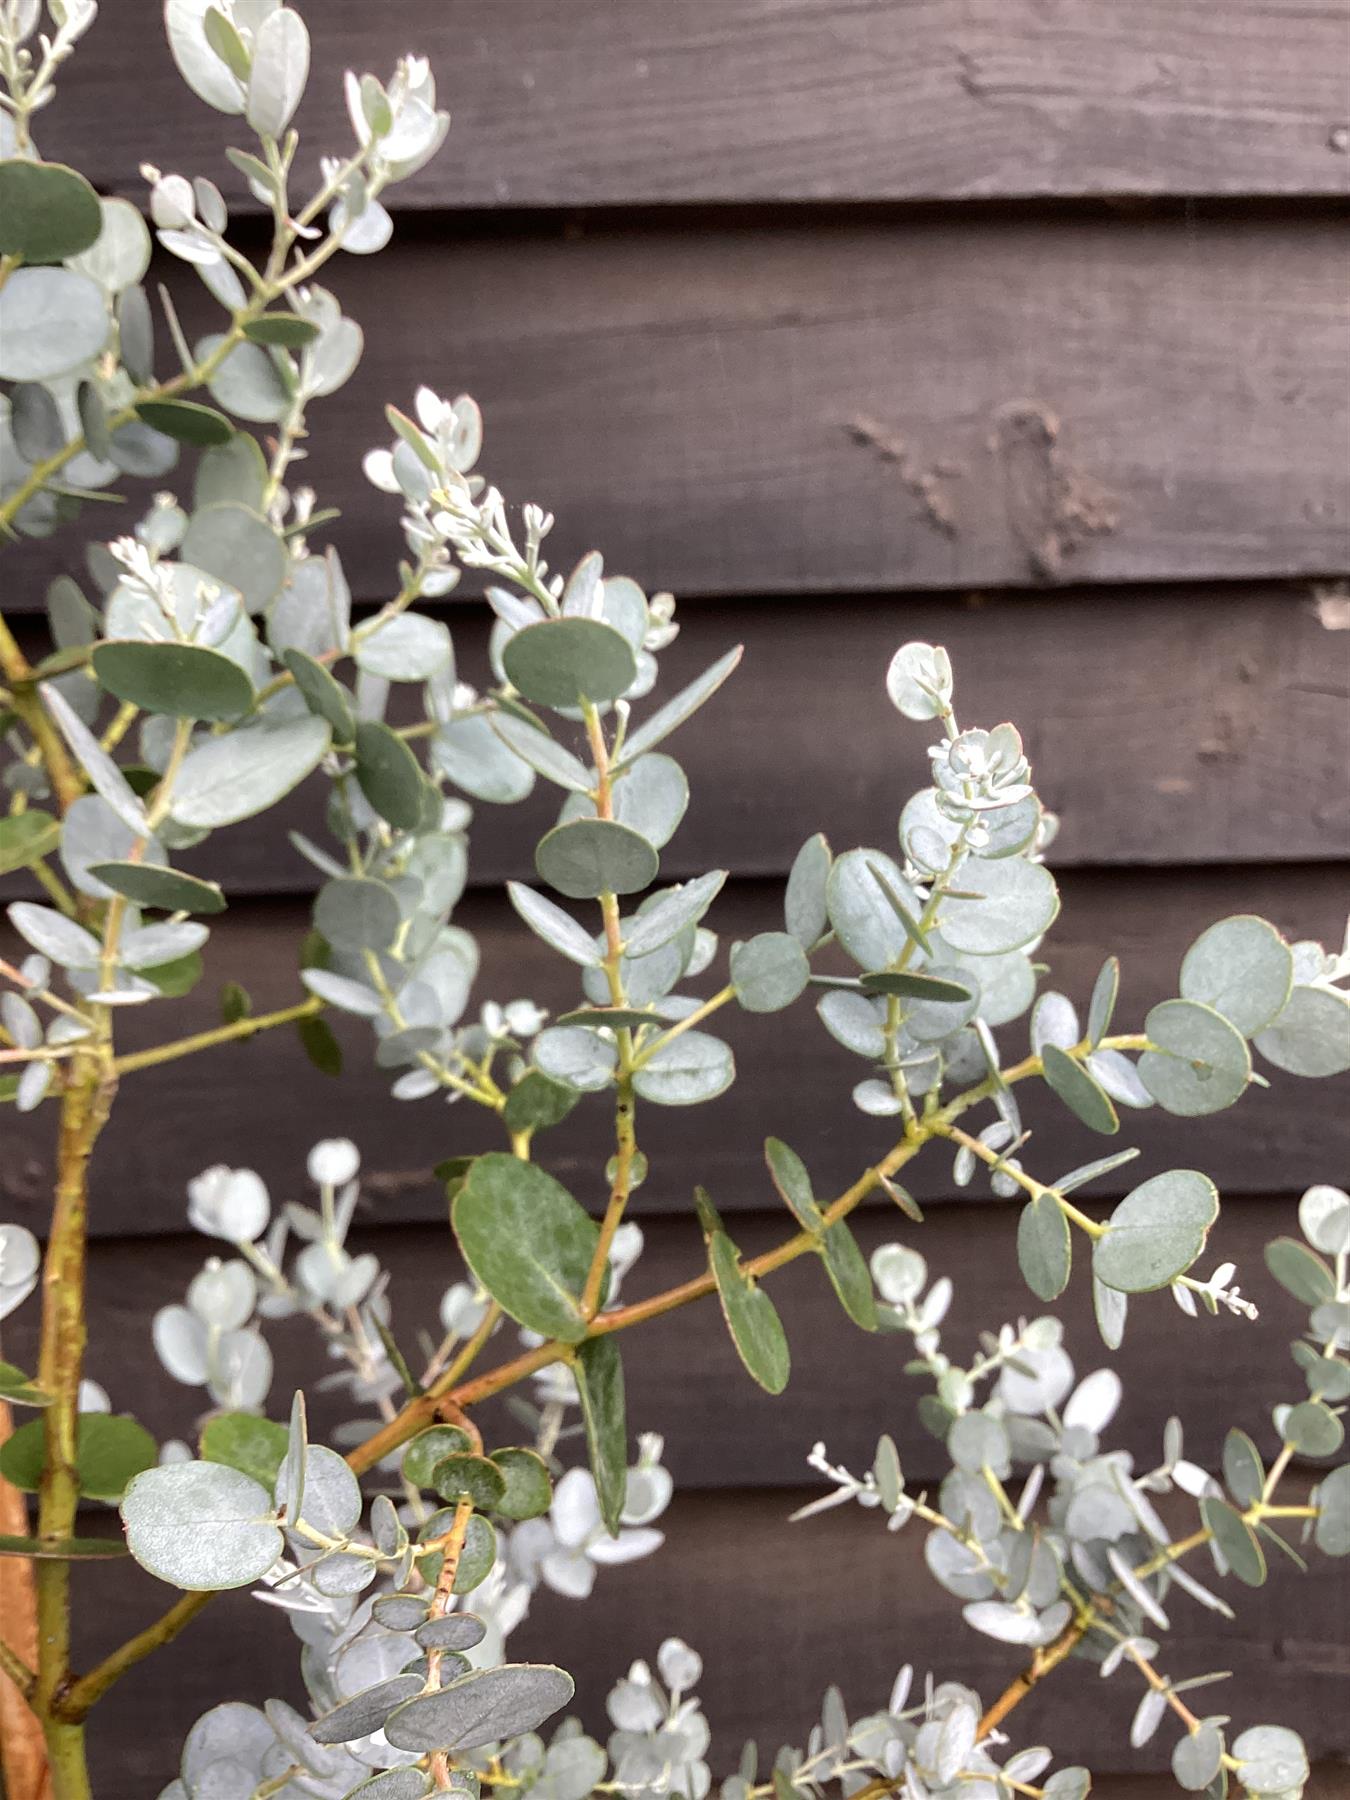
<point x="222" y="1034"/>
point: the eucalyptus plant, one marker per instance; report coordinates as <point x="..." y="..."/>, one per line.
<point x="209" y="665"/>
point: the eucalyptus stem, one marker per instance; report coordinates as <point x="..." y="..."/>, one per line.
<point x="240" y="1030"/>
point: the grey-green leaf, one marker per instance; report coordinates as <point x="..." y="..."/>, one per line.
<point x="481" y="1708"/>
<point x="692" y="1068"/>
<point x="1156" y="1232"/>
<point x="680" y="707"/>
<point x="185" y="681"/>
<point x="528" y="1243"/>
<point x="1200" y="1063"/>
<point x="1044" y="1247"/>
<point x="244" y="772"/>
<point x="200" y="1526"/>
<point x="769" y="971"/>
<point x="1079" y="1092"/>
<point x="1241" y="967"/>
<point x="563" y="663"/>
<point x="589" y="857"/>
<point x="804" y="910"/>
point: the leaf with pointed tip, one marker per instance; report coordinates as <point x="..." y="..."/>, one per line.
<point x="484" y="1707"/>
<point x="751" y="1316"/>
<point x="1080" y="1093"/>
<point x="600" y="1385"/>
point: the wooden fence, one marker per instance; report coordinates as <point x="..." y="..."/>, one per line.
<point x="1016" y="324"/>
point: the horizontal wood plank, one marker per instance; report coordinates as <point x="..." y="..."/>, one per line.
<point x="778" y="1611"/>
<point x="935" y="402"/>
<point x="172" y="1122"/>
<point x="1158" y="723"/>
<point x="846" y="1387"/>
<point x="735" y="100"/>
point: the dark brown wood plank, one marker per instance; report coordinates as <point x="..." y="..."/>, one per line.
<point x="935" y="402"/>
<point x="846" y="1386"/>
<point x="784" y="100"/>
<point x="1158" y="723"/>
<point x="777" y="1611"/>
<point x="263" y="1101"/>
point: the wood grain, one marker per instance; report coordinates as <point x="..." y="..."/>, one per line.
<point x="847" y="1386"/>
<point x="777" y="1611"/>
<point x="735" y="100"/>
<point x="1158" y="723"/>
<point x="933" y="402"/>
<point x="262" y="1101"/>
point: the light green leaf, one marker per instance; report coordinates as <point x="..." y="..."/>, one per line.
<point x="563" y="663"/>
<point x="234" y="472"/>
<point x="1273" y="1761"/>
<point x="804" y="909"/>
<point x="248" y="383"/>
<point x="469" y="752"/>
<point x="693" y="1068"/>
<point x="357" y="913"/>
<point x="545" y="755"/>
<point x="580" y="1057"/>
<point x="667" y="914"/>
<point x="1079" y="1092"/>
<point x="1200" y="1063"/>
<point x="528" y="1243"/>
<point x="244" y="772"/>
<point x="752" y="1318"/>
<point x="589" y="857"/>
<point x="554" y="926"/>
<point x="200" y="1526"/>
<point x="280" y="69"/>
<point x="120" y="255"/>
<point x="47" y="211"/>
<point x="1243" y="1471"/>
<point x="1300" y="1271"/>
<point x="1156" y="1232"/>
<point x="680" y="707"/>
<point x="1311" y="1036"/>
<point x="408" y="647"/>
<point x="185" y="681"/>
<point x="198" y="64"/>
<point x="599" y="1376"/>
<point x="1331" y="1497"/>
<point x="650" y="795"/>
<point x="1241" y="967"/>
<point x="1313" y="1429"/>
<point x="480" y="1708"/>
<point x="237" y="546"/>
<point x="769" y="971"/>
<point x="1198" y="1757"/>
<point x="107" y="779"/>
<point x="863" y="913"/>
<point x="1018" y="903"/>
<point x="67" y="944"/>
<point x="1044" y="1247"/>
